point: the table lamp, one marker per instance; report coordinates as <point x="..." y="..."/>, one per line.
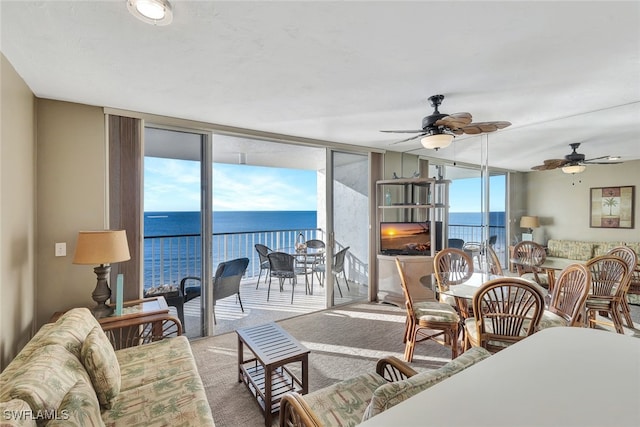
<point x="529" y="222"/>
<point x="104" y="248"/>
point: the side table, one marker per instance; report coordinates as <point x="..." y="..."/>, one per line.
<point x="266" y="374"/>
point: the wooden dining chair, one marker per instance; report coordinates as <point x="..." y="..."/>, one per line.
<point x="428" y="320"/>
<point x="608" y="273"/>
<point x="567" y="304"/>
<point x="505" y="311"/>
<point x="529" y="256"/>
<point x="493" y="262"/>
<point x="631" y="258"/>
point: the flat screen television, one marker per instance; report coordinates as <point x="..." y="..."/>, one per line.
<point x="408" y="238"/>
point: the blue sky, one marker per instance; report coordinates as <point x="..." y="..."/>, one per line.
<point x="174" y="185"/>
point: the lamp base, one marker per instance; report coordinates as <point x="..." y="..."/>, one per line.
<point x="101" y="310"/>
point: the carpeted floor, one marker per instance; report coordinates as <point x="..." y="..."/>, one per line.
<point x="344" y="342"/>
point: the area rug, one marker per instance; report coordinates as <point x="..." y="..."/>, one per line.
<point x="344" y="342"/>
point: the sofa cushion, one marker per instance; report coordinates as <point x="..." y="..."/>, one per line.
<point x="100" y="361"/>
<point x="344" y="403"/>
<point x="570" y="249"/>
<point x="45" y="379"/>
<point x="79" y="408"/>
<point x="390" y="394"/>
<point x="16" y="413"/>
<point x="601" y="248"/>
<point x="160" y="387"/>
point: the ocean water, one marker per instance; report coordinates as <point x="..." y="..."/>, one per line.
<point x="496" y="219"/>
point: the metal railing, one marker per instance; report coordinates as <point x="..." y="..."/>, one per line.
<point x="167" y="259"/>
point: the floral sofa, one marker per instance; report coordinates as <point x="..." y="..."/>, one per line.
<point x="68" y="374"/>
<point x="582" y="250"/>
<point x="350" y="402"/>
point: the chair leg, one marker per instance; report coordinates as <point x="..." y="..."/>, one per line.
<point x="346" y="280"/>
<point x="269" y="288"/>
<point x="240" y="301"/>
<point x="293" y="288"/>
<point x="215" y="322"/>
<point x="258" y="282"/>
<point x="617" y="319"/>
<point x="338" y="283"/>
<point x="410" y="345"/>
<point x="626" y="312"/>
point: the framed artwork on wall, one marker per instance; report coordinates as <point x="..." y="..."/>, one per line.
<point x="612" y="207"/>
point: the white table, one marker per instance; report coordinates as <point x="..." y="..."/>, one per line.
<point x="557" y="377"/>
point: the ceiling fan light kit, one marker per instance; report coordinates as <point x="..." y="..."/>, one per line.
<point x="435" y="141"/>
<point x="573" y="169"/>
<point x="155" y="12"/>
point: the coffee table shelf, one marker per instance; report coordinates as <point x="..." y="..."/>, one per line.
<point x="282" y="381"/>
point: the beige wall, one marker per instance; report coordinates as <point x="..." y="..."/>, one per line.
<point x="17" y="216"/>
<point x="72" y="182"/>
<point x="562" y="202"/>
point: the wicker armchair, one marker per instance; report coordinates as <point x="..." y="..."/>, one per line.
<point x="631" y="258"/>
<point x="506" y="310"/>
<point x="451" y="266"/>
<point x="530" y="256"/>
<point x="568" y="299"/>
<point x="263" y="251"/>
<point x="608" y="274"/>
<point x="357" y="399"/>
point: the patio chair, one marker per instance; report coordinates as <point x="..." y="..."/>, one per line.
<point x="505" y="311"/>
<point x="282" y="266"/>
<point x="455" y="243"/>
<point x="631" y="258"/>
<point x="568" y="299"/>
<point x="338" y="267"/>
<point x="608" y="274"/>
<point x="263" y="251"/>
<point x="226" y="282"/>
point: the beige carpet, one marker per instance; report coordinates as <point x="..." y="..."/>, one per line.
<point x="344" y="342"/>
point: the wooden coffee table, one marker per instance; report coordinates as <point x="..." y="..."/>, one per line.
<point x="266" y="374"/>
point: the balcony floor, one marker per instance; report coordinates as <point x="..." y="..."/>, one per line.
<point x="258" y="310"/>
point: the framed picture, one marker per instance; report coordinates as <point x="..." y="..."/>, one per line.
<point x="612" y="207"/>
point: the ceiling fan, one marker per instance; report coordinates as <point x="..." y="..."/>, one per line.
<point x="573" y="162"/>
<point x="438" y="130"/>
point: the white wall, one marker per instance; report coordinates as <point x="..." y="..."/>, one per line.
<point x="562" y="202"/>
<point x="17" y="216"/>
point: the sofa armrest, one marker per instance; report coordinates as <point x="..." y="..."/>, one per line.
<point x="142" y="330"/>
<point x="294" y="412"/>
<point x="393" y="369"/>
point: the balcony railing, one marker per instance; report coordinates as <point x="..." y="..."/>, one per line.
<point x="167" y="259"/>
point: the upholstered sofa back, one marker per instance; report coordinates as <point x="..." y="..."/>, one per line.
<point x="582" y="250"/>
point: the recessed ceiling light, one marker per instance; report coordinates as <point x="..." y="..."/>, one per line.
<point x="155" y="12"/>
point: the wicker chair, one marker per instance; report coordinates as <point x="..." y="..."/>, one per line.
<point x="428" y="320"/>
<point x="530" y="256"/>
<point x="568" y="299"/>
<point x="263" y="251"/>
<point x="631" y="258"/>
<point x="608" y="273"/>
<point x="282" y="266"/>
<point x="506" y="310"/>
<point x="493" y="262"/>
<point x="451" y="267"/>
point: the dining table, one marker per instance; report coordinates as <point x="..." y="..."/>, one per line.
<point x="550" y="266"/>
<point x="563" y="376"/>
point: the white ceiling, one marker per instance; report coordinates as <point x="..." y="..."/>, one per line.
<point x="561" y="72"/>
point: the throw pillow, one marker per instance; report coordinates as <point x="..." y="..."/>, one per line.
<point x="99" y="359"/>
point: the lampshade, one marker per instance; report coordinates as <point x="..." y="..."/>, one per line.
<point x="155" y="12"/>
<point x="101" y="247"/>
<point x="574" y="169"/>
<point x="529" y="222"/>
<point x="436" y="140"/>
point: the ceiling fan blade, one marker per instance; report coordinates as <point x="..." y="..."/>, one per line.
<point x="480" y="127"/>
<point x="403" y="131"/>
<point x="455" y="121"/>
<point x="409" y="139"/>
<point x="600" y="163"/>
<point x="550" y="164"/>
<point x="596" y="158"/>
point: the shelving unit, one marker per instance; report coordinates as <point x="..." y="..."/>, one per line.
<point x="411" y="200"/>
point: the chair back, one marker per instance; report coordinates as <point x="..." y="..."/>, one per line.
<point x="263" y="251"/>
<point x="506" y="310"/>
<point x="630" y="258"/>
<point x="281" y="264"/>
<point x="408" y="302"/>
<point x="492" y="240"/>
<point x="455" y="243"/>
<point x="570" y="293"/>
<point x="530" y="256"/>
<point x="315" y="244"/>
<point x="608" y="273"/>
<point x="495" y="267"/>
<point x="228" y="276"/>
<point x="338" y="262"/>
<point x="452" y="266"/>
